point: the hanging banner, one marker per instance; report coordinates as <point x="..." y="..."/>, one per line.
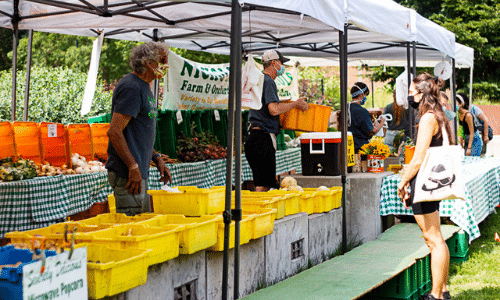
<point x="190" y="85"/>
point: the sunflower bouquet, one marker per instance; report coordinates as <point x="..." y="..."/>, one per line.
<point x="375" y="148"/>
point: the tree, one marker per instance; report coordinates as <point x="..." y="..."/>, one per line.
<point x="5" y="47"/>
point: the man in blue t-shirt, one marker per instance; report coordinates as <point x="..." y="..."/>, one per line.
<point x="359" y="121"/>
<point x="133" y="129"/>
<point x="264" y="124"/>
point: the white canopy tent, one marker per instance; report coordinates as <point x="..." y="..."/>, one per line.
<point x="304" y="28"/>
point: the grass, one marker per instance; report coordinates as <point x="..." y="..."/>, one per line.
<point x="479" y="277"/>
<point x="380" y="98"/>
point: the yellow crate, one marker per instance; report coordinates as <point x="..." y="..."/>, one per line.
<point x="251" y="205"/>
<point x="111" y="219"/>
<point x="246" y="233"/>
<point x="112" y="203"/>
<point x="54" y="233"/>
<point x="338" y="196"/>
<point x="394" y="168"/>
<point x="192" y="201"/>
<point x="163" y="241"/>
<point x="199" y="232"/>
<point x="324" y="201"/>
<point x="292" y="201"/>
<point x="263" y="222"/>
<point x="306" y="203"/>
<point x="113" y="271"/>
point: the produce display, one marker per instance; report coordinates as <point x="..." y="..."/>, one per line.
<point x="81" y="166"/>
<point x="17" y="170"/>
<point x="200" y="147"/>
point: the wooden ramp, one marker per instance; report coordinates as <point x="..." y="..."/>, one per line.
<point x="359" y="271"/>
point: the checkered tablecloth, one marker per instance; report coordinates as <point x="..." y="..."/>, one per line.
<point x="39" y="202"/>
<point x="482" y="176"/>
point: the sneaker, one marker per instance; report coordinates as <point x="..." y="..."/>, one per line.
<point x="429" y="297"/>
<point x="446" y="295"/>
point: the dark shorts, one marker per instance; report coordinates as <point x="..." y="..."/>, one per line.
<point x="261" y="157"/>
<point x="421" y="208"/>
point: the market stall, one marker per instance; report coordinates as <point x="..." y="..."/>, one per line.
<point x="39" y="202"/>
<point x="483" y="186"/>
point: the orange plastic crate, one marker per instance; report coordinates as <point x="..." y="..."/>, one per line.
<point x="28" y="140"/>
<point x="100" y="139"/>
<point x="314" y="119"/>
<point x="80" y="140"/>
<point x="55" y="147"/>
<point x="7" y="144"/>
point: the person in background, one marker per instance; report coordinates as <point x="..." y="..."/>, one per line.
<point x="424" y="96"/>
<point x="447" y="109"/>
<point x="472" y="141"/>
<point x="481" y="122"/>
<point x="359" y="121"/>
<point x="264" y="124"/>
<point x="133" y="128"/>
<point x="400" y="121"/>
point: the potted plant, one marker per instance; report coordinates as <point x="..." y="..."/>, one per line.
<point x="376" y="152"/>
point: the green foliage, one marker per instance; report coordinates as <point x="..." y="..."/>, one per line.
<point x="310" y="86"/>
<point x="5" y="47"/>
<point x="55" y="96"/>
<point x="59" y="50"/>
<point x="202" y="57"/>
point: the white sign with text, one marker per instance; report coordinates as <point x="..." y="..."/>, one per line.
<point x="63" y="278"/>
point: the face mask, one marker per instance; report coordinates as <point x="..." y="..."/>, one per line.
<point x="363" y="101"/>
<point x="411" y="101"/>
<point x="281" y="71"/>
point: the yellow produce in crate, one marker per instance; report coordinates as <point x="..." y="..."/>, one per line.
<point x="113" y="271"/>
<point x="263" y="222"/>
<point x="111" y="219"/>
<point x="246" y="233"/>
<point x="163" y="241"/>
<point x="192" y="201"/>
<point x="199" y="232"/>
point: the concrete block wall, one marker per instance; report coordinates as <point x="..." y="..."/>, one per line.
<point x="263" y="262"/>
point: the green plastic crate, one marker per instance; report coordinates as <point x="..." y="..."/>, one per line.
<point x="458" y="244"/>
<point x="403" y="286"/>
<point x="460" y="259"/>
<point x="166" y="137"/>
<point x="220" y="127"/>
<point x="196" y="118"/>
<point x="280" y="140"/>
<point x="185" y="125"/>
<point x="207" y="117"/>
<point x="106" y="118"/>
<point x="424" y="282"/>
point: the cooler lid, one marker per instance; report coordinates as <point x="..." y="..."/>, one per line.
<point x="322" y="135"/>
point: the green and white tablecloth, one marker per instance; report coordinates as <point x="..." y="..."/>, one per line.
<point x="482" y="176"/>
<point x="39" y="202"/>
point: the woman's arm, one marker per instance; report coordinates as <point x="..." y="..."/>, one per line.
<point x="470" y="123"/>
<point x="427" y="128"/>
<point x="483" y="118"/>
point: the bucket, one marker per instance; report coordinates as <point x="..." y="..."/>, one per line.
<point x="375" y="163"/>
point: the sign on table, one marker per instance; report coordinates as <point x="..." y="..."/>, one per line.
<point x="63" y="278"/>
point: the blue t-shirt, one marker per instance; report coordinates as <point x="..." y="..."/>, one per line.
<point x="262" y="118"/>
<point x="133" y="97"/>
<point x="361" y="125"/>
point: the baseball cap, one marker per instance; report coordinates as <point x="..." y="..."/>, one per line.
<point x="272" y="55"/>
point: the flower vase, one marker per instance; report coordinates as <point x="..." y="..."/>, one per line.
<point x="375" y="163"/>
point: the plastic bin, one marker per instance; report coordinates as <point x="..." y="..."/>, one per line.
<point x="54" y="233"/>
<point x="199" y="232"/>
<point x="207" y="120"/>
<point x="403" y="286"/>
<point x="80" y="140"/>
<point x="163" y="241"/>
<point x="7" y="142"/>
<point x="459" y="247"/>
<point x="28" y="140"/>
<point x="100" y="140"/>
<point x="112" y="271"/>
<point x="55" y="147"/>
<point x="246" y="233"/>
<point x="112" y="204"/>
<point x="263" y="222"/>
<point x="253" y="204"/>
<point x="424" y="282"/>
<point x="112" y="219"/>
<point x="11" y="278"/>
<point x="192" y="201"/>
<point x="106" y="118"/>
<point x="315" y="119"/>
<point x="291" y="199"/>
<point x="166" y="133"/>
<point x="220" y="126"/>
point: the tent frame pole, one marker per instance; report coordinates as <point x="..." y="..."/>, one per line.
<point x="408" y="73"/>
<point x="15" y="40"/>
<point x="343" y="119"/>
<point x="28" y="76"/>
<point x="233" y="138"/>
<point x="453" y="88"/>
<point x="414" y="72"/>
